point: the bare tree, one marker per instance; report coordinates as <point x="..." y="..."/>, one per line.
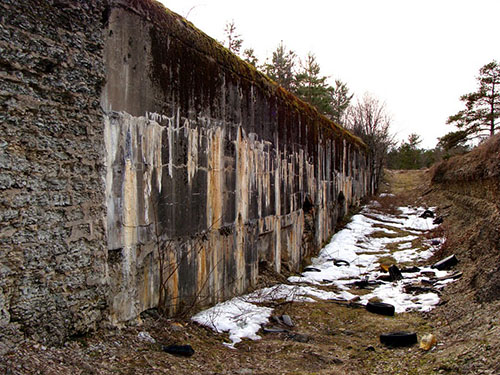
<point x="233" y="40"/>
<point x="368" y="119"/>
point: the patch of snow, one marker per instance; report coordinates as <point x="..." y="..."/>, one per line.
<point x="236" y="316"/>
<point x="242" y="317"/>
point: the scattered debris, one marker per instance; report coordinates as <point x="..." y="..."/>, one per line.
<point x="176" y="327"/>
<point x="380" y="308"/>
<point x="340" y="262"/>
<point x="453" y="276"/>
<point x="395" y="273"/>
<point x="311" y="269"/>
<point x="180" y="350"/>
<point x="287" y="320"/>
<point x="417" y="288"/>
<point x="427" y="214"/>
<point x="438" y="220"/>
<point x="274" y="330"/>
<point x="365" y="283"/>
<point x="398" y="339"/>
<point x="385" y="267"/>
<point x="412" y="269"/>
<point x="145" y="336"/>
<point x="428" y="341"/>
<point x="298" y="337"/>
<point x="446" y="263"/>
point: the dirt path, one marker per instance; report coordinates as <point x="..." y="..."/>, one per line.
<point x="328" y="337"/>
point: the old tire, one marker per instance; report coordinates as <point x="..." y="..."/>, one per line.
<point x="340" y="263"/>
<point x="180" y="350"/>
<point x="398" y="339"/>
<point x="446" y="263"/>
<point x="311" y="269"/>
<point x="380" y="308"/>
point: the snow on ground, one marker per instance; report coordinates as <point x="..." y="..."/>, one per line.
<point x="352" y="254"/>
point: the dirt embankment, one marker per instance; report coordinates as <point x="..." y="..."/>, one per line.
<point x="466" y="190"/>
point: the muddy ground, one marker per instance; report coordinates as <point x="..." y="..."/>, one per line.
<point x="328" y="337"/>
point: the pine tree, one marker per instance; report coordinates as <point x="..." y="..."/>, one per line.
<point x="281" y="69"/>
<point x="249" y="57"/>
<point x="312" y="87"/>
<point x="482" y="107"/>
<point x="340" y="99"/>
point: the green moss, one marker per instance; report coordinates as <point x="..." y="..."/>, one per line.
<point x="170" y="24"/>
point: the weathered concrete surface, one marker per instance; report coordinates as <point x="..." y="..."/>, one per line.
<point x="142" y="164"/>
<point x="209" y="167"/>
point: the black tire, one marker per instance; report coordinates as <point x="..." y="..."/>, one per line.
<point x="398" y="339"/>
<point x="180" y="350"/>
<point x="380" y="308"/>
<point x="311" y="269"/>
<point x="340" y="263"/>
<point x="427" y="214"/>
<point x="446" y="263"/>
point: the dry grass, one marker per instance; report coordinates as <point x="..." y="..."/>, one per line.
<point x="483" y="162"/>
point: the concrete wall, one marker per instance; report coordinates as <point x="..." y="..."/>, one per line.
<point x="209" y="167"/>
<point x="143" y="164"/>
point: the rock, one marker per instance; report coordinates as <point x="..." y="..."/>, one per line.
<point x="370" y="349"/>
<point x="145" y="336"/>
<point x="287" y="320"/>
<point x="274" y="330"/>
<point x="176" y="327"/>
<point x="438" y="220"/>
<point x="298" y="337"/>
<point x="244" y="371"/>
<point x="336" y="361"/>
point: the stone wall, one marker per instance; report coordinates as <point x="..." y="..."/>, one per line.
<point x="142" y="164"/>
<point x="52" y="206"/>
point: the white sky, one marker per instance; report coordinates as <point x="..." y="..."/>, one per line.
<point x="417" y="56"/>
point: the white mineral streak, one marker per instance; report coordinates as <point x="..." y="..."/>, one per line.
<point x="193" y="147"/>
<point x="215" y="152"/>
<point x="134" y="147"/>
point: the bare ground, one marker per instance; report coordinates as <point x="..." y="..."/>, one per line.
<point x="328" y="337"/>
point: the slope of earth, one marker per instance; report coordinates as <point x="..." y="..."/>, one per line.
<point x="467" y="191"/>
<point x="328" y="336"/>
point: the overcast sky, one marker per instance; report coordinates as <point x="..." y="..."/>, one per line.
<point x="417" y="56"/>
